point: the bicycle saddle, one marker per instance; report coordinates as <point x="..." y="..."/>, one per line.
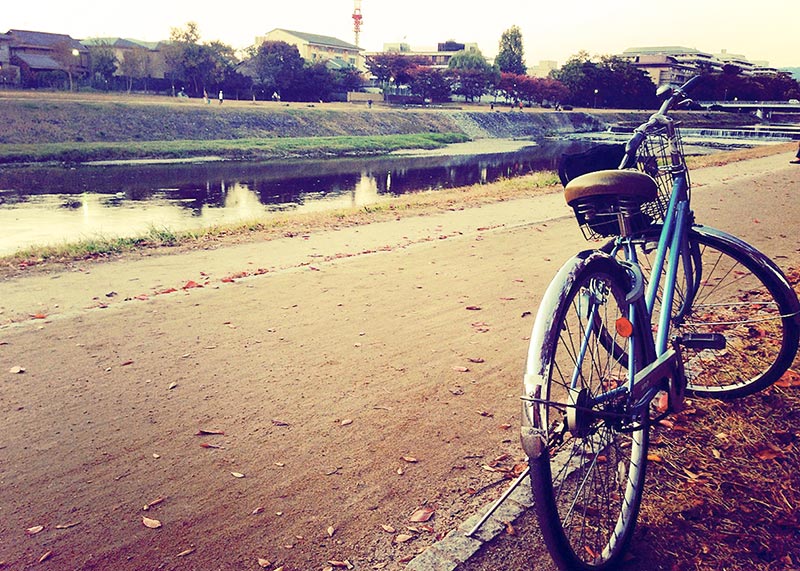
<point x="629" y="184"/>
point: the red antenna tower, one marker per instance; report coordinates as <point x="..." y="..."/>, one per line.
<point x="357" y="20"/>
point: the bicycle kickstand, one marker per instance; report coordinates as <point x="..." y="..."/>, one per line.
<point x="499" y="502"/>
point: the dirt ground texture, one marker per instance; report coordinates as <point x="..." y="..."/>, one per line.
<point x="293" y="403"/>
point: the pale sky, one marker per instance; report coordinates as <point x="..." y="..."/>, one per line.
<point x="763" y="30"/>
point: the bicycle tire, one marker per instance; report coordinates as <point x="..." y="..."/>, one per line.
<point x="741" y="294"/>
<point x="589" y="474"/>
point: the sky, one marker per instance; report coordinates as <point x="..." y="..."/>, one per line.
<point x="766" y="30"/>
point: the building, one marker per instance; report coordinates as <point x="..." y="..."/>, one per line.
<point x="544" y="68"/>
<point x="25" y="55"/>
<point x="676" y="64"/>
<point x="315" y="48"/>
<point x="435" y="58"/>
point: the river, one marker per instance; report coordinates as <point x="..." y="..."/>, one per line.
<point x="53" y="204"/>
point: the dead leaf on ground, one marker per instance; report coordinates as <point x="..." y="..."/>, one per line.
<point x="459" y="369"/>
<point x="208" y="432"/>
<point x="16" y="370"/>
<point x="153" y="503"/>
<point x="476" y="360"/>
<point x="207" y="445"/>
<point x="45" y="557"/>
<point x="769" y="452"/>
<point x="67" y="525"/>
<point x="410" y="459"/>
<point x="473" y="308"/>
<point x="422" y="514"/>
<point x="151" y="523"/>
<point x="237" y="474"/>
<point x="277" y="422"/>
<point x="331" y="530"/>
<point x="34" y="530"/>
<point x="789" y="379"/>
<point x="403" y="537"/>
<point x="388" y="528"/>
<point x="264" y="563"/>
<point x="347" y="421"/>
<point x="185" y="552"/>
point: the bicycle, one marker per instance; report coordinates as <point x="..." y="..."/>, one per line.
<point x="664" y="309"/>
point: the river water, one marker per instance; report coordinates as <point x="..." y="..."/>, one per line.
<point x="51" y="205"/>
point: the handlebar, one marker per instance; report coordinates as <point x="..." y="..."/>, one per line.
<point x="658" y="119"/>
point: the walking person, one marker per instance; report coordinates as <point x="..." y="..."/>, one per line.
<point x="796" y="160"/>
<point x="220" y="97"/>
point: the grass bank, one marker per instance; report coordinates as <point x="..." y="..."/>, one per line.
<point x="235" y="149"/>
<point x="271" y="227"/>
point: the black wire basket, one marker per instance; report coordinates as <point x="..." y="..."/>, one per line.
<point x="655" y="159"/>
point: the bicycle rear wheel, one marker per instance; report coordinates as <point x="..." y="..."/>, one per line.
<point x="727" y="288"/>
<point x="589" y="475"/>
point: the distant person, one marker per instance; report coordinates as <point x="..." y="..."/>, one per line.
<point x="369" y="103"/>
<point x="205" y="97"/>
<point x="796" y="161"/>
<point x="220" y="97"/>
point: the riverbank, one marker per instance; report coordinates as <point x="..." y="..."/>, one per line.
<point x="77" y="128"/>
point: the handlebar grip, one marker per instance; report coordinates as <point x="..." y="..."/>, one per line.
<point x="634" y="142"/>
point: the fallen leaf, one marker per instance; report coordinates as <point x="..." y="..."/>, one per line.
<point x="156" y="456"/>
<point x="172" y="386"/>
<point x="280" y="464"/>
<point x="185" y="552"/>
<point x="39" y="316"/>
<point x="345" y="564"/>
<point x="410" y="459"/>
<point x="476" y="360"/>
<point x="473" y="308"/>
<point x="191" y="284"/>
<point x="422" y="514"/>
<point x="16" y="370"/>
<point x="126" y="363"/>
<point x="347" y="421"/>
<point x="654" y="458"/>
<point x="510" y="529"/>
<point x="67" y="525"/>
<point x="237" y="474"/>
<point x="45" y="557"/>
<point x="769" y="452"/>
<point x="206" y="431"/>
<point x="151" y="523"/>
<point x="388" y="528"/>
<point x="400" y="471"/>
<point x="153" y="503"/>
<point x="207" y="445"/>
<point x="276" y="422"/>
<point x="264" y="563"/>
<point x="789" y="379"/>
<point x="257" y="511"/>
<point x="331" y="530"/>
<point x="34" y="530"/>
<point x="403" y="537"/>
<point x="461" y="369"/>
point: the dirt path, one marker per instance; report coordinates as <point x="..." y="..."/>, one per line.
<point x="366" y="373"/>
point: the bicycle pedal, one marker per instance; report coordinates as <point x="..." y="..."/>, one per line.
<point x="702" y="341"/>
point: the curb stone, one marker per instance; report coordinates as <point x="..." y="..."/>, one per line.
<point x="456" y="548"/>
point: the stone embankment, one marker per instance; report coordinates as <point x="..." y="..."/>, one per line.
<point x="61" y="121"/>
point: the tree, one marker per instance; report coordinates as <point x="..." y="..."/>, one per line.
<point x="430" y="84"/>
<point x="70" y="59"/>
<point x="510" y="56"/>
<point x="200" y="66"/>
<point x="135" y="64"/>
<point x="393" y="68"/>
<point x="103" y="64"/>
<point x="471" y="75"/>
<point x="609" y="82"/>
<point x="277" y="67"/>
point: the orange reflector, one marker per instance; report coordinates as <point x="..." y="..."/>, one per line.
<point x="624" y="327"/>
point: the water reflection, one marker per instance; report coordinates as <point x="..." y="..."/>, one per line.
<point x="41" y="205"/>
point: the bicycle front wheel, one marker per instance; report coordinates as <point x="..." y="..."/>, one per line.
<point x="727" y="288"/>
<point x="588" y="477"/>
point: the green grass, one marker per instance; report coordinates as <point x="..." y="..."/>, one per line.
<point x="251" y="148"/>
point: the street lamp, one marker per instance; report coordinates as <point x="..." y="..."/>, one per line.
<point x="595" y="98"/>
